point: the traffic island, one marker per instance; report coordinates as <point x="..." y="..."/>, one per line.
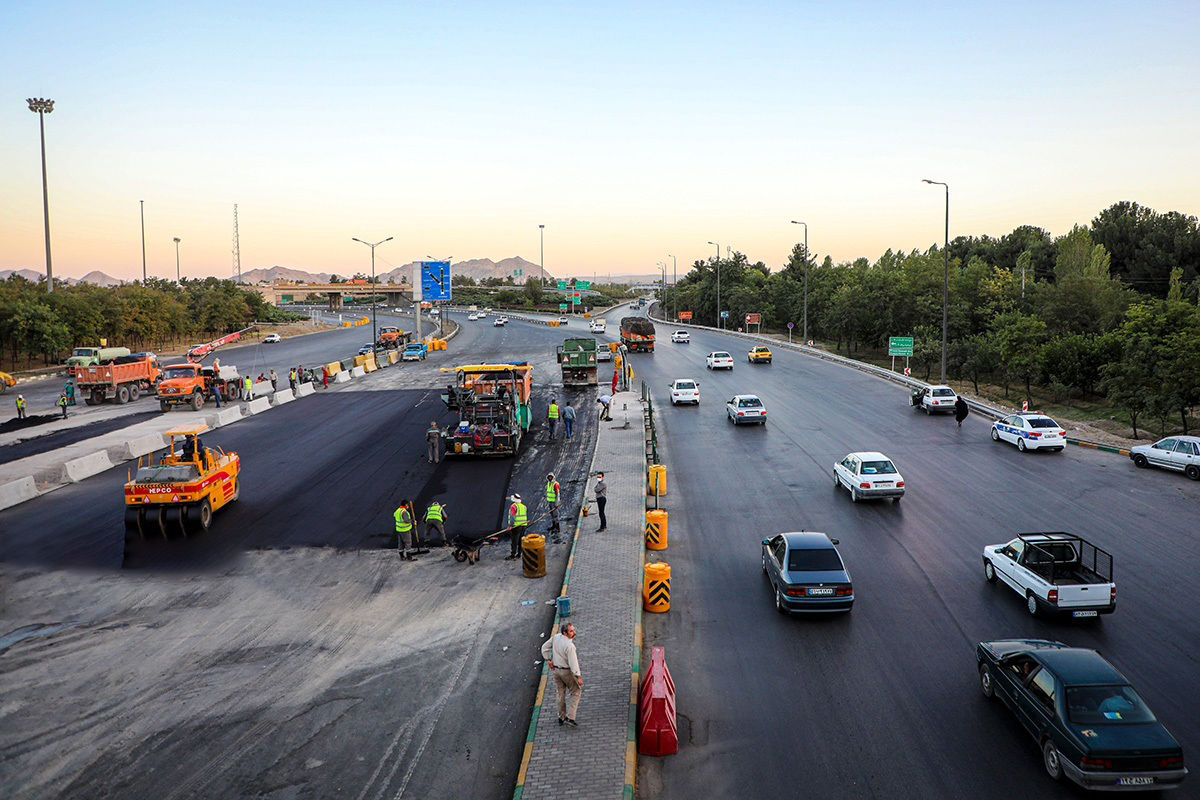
<point x="603" y="581"/>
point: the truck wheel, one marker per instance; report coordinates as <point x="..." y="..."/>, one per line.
<point x="163" y="405"/>
<point x="122" y="395"/>
<point x="199" y="516"/>
<point x="134" y="393"/>
<point x="90" y="399"/>
<point x="174" y="522"/>
<point x="237" y="490"/>
<point x="1031" y="604"/>
<point x="133" y="516"/>
<point x="97" y="397"/>
<point x="197" y="401"/>
<point x="989" y="572"/>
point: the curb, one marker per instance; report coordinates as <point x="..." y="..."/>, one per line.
<point x="1095" y="446"/>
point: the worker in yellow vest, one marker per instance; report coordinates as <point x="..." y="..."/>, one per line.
<point x="20" y="406"/>
<point x="435" y="520"/>
<point x="518" y="518"/>
<point x="405" y="538"/>
<point x="553" y="491"/>
<point x="552" y="416"/>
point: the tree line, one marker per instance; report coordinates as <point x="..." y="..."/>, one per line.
<point x="35" y="323"/>
<point x="1107" y="310"/>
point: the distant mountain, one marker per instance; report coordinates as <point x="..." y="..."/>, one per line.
<point x="98" y="278"/>
<point x="477" y="268"/>
<point x="27" y="274"/>
<point x="95" y="277"/>
<point x="284" y="274"/>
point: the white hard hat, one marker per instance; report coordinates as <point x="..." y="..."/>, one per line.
<point x="516" y="496"/>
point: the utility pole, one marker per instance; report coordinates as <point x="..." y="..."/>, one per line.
<point x="177" y="240"/>
<point x="237" y="248"/>
<point x="43" y="106"/>
<point x="374" y="292"/>
<point x="945" y="275"/>
<point x="542" y="257"/>
<point x="674" y="289"/>
<point x="142" y="207"/>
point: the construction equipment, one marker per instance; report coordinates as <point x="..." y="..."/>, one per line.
<point x="198" y="351"/>
<point x="124" y="381"/>
<point x="192" y="383"/>
<point x="637" y="334"/>
<point x="492" y="401"/>
<point x="392" y="337"/>
<point x="578" y="359"/>
<point x="6" y="381"/>
<point x="177" y="495"/>
<point x="89" y="356"/>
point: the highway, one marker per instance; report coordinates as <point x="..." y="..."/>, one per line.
<point x="884" y="702"/>
<point x="287" y="652"/>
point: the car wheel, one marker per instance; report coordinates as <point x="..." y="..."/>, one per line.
<point x="989" y="572"/>
<point x="1031" y="604"/>
<point x="779" y="606"/>
<point x="764" y="564"/>
<point x="1021" y="445"/>
<point x="1050" y="759"/>
<point x="995" y="435"/>
<point x="1140" y="461"/>
<point x="1192" y="471"/>
<point x="853" y="495"/>
<point x="895" y="500"/>
<point x="837" y="484"/>
<point x="985" y="681"/>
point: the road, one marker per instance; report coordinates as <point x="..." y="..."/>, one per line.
<point x="287" y="653"/>
<point x="883" y="702"/>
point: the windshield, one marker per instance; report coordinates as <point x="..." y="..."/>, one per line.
<point x="166" y="474"/>
<point x="820" y="560"/>
<point x="172" y="374"/>
<point x="1096" y="705"/>
<point x="943" y="393"/>
<point x="82" y="351"/>
<point x="722" y="355"/>
<point x="684" y="385"/>
<point x="749" y="402"/>
<point x="1042" y="422"/>
<point x="878" y="468"/>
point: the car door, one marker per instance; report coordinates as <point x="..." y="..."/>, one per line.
<point x="1015" y="426"/>
<point x="1011" y="677"/>
<point x="1006" y="561"/>
<point x="777" y="552"/>
<point x="1162" y="454"/>
<point x="1181" y="457"/>
<point x="1036" y="701"/>
<point x="850" y="471"/>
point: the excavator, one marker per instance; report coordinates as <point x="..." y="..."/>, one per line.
<point x="177" y="495"/>
<point x="492" y="401"/>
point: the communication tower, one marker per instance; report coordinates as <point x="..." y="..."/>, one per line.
<point x="237" y="249"/>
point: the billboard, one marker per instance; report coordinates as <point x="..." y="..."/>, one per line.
<point x="684" y="315"/>
<point x="754" y="319"/>
<point x="435" y="281"/>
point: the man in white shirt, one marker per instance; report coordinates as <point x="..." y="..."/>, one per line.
<point x="559" y="652"/>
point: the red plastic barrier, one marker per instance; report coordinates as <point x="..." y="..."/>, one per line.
<point x="658" y="733"/>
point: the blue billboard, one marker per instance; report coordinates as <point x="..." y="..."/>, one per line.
<point x="435" y="281"/>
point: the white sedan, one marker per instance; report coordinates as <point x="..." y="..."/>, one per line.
<point x="1029" y="432"/>
<point x="869" y="474"/>
<point x="272" y="338"/>
<point x="746" y="408"/>
<point x="719" y="360"/>
<point x="1180" y="453"/>
<point x="498" y="322"/>
<point x="681" y="337"/>
<point x="684" y="390"/>
<point x="472" y="316"/>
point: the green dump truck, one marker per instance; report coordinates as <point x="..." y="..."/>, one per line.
<point x="578" y="360"/>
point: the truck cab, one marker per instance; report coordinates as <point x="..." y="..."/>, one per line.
<point x="191" y="384"/>
<point x="91" y="356"/>
<point x="415" y="351"/>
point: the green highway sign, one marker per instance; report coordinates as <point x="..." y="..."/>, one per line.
<point x="900" y="346"/>
<point x="562" y="286"/>
<point x="562" y="306"/>
<point x="583" y="285"/>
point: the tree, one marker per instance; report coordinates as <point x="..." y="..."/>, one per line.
<point x="1019" y="339"/>
<point x="1146" y="245"/>
<point x="533" y="291"/>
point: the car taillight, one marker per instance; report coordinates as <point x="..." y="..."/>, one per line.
<point x="1170" y="762"/>
<point x="864" y="486"/>
<point x="740" y="414"/>
<point x="844" y="591"/>
<point x="900" y="484"/>
<point x="1052" y="597"/>
<point x="798" y="591"/>
<point x="1035" y="435"/>
<point x="674" y="394"/>
<point x="1095" y="763"/>
<point x="1112" y="594"/>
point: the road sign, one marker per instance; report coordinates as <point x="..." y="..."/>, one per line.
<point x="435" y="280"/>
<point x="791" y="325"/>
<point x="754" y="319"/>
<point x="576" y="299"/>
<point x="583" y="285"/>
<point x="562" y="286"/>
<point x="724" y="315"/>
<point x="900" y="346"/>
<point x="562" y="306"/>
<point x="907" y="371"/>
<point x="685" y="315"/>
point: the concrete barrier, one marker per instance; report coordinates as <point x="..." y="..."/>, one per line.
<point x="282" y="396"/>
<point x="357" y="372"/>
<point x="76" y="469"/>
<point x="262" y="389"/>
<point x="18" y="491"/>
<point x="342" y="377"/>
<point x="257" y="405"/>
<point x="224" y="416"/>
<point x="304" y="389"/>
<point x="137" y="447"/>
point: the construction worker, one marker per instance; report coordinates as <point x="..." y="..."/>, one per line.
<point x="20" y="406"/>
<point x="433" y="440"/>
<point x="552" y="415"/>
<point x="405" y="537"/>
<point x="325" y="376"/>
<point x="518" y="518"/>
<point x="292" y="378"/>
<point x="247" y="388"/>
<point x="569" y="419"/>
<point x="605" y="402"/>
<point x="553" y="492"/>
<point x="70" y="392"/>
<point x="435" y="520"/>
<point x="216" y="394"/>
<point x="274" y="381"/>
<point x="62" y="403"/>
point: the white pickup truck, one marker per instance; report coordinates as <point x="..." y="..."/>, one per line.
<point x="1055" y="573"/>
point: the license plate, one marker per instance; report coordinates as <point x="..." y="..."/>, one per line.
<point x="1138" y="781"/>
<point x="1084" y="614"/>
<point x="821" y="591"/>
<point x="882" y="484"/>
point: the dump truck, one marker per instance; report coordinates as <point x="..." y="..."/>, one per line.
<point x="192" y="384"/>
<point x="492" y="402"/>
<point x="90" y="356"/>
<point x="6" y="381"/>
<point x="637" y="334"/>
<point x="177" y="495"/>
<point x="392" y="337"/>
<point x="124" y="380"/>
<point x="578" y="360"/>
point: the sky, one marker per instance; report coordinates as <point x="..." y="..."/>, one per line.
<point x="632" y="131"/>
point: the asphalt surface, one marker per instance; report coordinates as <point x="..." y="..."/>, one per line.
<point x="287" y="652"/>
<point x="883" y="702"/>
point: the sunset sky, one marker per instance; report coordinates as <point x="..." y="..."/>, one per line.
<point x="631" y="130"/>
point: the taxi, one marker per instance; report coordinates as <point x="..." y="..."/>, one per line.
<point x="759" y="355"/>
<point x="1029" y="431"/>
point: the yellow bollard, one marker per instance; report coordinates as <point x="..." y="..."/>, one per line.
<point x="656" y="587"/>
<point x="656" y="482"/>
<point x="656" y="530"/>
<point x="533" y="555"/>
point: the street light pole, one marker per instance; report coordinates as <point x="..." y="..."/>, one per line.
<point x="177" y="240"/>
<point x="42" y="107"/>
<point x="718" y="262"/>
<point x="945" y="275"/>
<point x="142" y="212"/>
<point x="805" y="224"/>
<point x="374" y="336"/>
<point x="674" y="288"/>
<point x="542" y="257"/>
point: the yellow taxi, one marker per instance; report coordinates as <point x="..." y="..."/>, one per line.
<point x="759" y="355"/>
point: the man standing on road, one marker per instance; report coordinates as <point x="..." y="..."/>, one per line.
<point x="601" y="500"/>
<point x="325" y="376"/>
<point x="961" y="410"/>
<point x="62" y="403"/>
<point x="292" y="378"/>
<point x="435" y="520"/>
<point x="216" y="394"/>
<point x="247" y="389"/>
<point x="274" y="381"/>
<point x="517" y="519"/>
<point x="552" y="415"/>
<point x="20" y="406"/>
<point x="70" y="392"/>
<point x="605" y="401"/>
<point x="553" y="492"/>
<point x="559" y="652"/>
<point x="405" y="538"/>
<point x="614" y="380"/>
<point x="433" y="440"/>
<point x="568" y="415"/>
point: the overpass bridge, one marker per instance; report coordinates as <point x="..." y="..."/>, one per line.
<point x="393" y="294"/>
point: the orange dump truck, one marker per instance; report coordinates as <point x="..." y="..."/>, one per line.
<point x="124" y="380"/>
<point x="192" y="384"/>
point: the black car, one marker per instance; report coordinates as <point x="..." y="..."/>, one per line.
<point x="806" y="573"/>
<point x="1089" y="722"/>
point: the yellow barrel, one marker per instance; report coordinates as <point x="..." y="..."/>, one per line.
<point x="656" y="587"/>
<point x="656" y="481"/>
<point x="656" y="530"/>
<point x="533" y="555"/>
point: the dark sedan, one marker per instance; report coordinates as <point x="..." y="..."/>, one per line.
<point x="1091" y="725"/>
<point x="806" y="573"/>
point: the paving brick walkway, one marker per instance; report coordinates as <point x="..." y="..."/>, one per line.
<point x="603" y="580"/>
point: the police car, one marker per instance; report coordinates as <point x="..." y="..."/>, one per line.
<point x="1029" y="431"/>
